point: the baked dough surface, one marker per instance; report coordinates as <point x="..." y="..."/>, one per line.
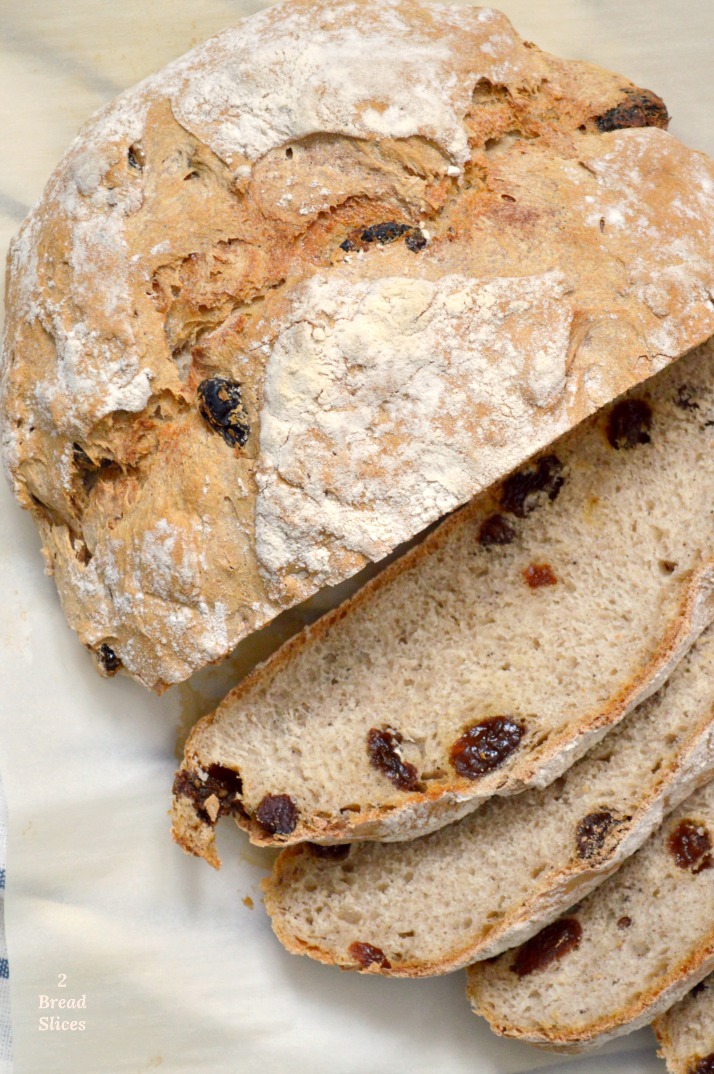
<point x="313" y="286"/>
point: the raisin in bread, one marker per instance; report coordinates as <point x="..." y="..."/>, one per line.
<point x="493" y="879"/>
<point x="686" y="1032"/>
<point x="313" y="286"/>
<point x="627" y="953"/>
<point x="490" y="658"/>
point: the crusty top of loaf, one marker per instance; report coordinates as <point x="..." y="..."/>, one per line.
<point x="225" y="219"/>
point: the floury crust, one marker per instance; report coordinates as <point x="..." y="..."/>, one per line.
<point x="202" y="230"/>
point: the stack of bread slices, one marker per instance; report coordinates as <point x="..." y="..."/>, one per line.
<point x="544" y="655"/>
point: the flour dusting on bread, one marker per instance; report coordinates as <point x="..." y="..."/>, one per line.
<point x="321" y="151"/>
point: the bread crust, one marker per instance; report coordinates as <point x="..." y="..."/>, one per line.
<point x="515" y="301"/>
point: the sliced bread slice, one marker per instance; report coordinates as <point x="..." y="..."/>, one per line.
<point x="493" y="879"/>
<point x="686" y="1032"/>
<point x="492" y="656"/>
<point x="627" y="953"/>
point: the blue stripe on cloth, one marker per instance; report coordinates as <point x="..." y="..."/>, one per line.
<point x="2" y="878"/>
<point x="4" y="968"/>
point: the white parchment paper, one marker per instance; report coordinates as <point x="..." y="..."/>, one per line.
<point x="180" y="975"/>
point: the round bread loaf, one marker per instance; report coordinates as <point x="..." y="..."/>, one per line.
<point x="313" y="286"/>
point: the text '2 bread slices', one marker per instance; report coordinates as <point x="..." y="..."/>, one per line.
<point x="686" y="1032"/>
<point x="624" y="955"/>
<point x="492" y="880"/>
<point x="493" y="655"/>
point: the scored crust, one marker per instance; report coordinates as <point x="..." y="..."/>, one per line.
<point x="409" y="248"/>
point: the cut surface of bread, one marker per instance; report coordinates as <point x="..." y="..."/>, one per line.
<point x="313" y="286"/>
<point x="624" y="955"/>
<point x="492" y="656"/>
<point x="686" y="1032"/>
<point x="491" y="880"/>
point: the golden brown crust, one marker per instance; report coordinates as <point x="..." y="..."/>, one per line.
<point x="220" y="246"/>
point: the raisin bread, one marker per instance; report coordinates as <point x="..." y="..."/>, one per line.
<point x="630" y="951"/>
<point x="519" y="631"/>
<point x="313" y="286"/>
<point x="686" y="1032"/>
<point x="492" y="880"/>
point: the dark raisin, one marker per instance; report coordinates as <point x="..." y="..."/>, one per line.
<point x="135" y="157"/>
<point x="277" y="813"/>
<point x="220" y="405"/>
<point x="496" y="530"/>
<point x="367" y="955"/>
<point x="107" y="659"/>
<point x="548" y="946"/>
<point x="638" y="108"/>
<point x="384" y="233"/>
<point x="683" y="399"/>
<point x="415" y="240"/>
<point x="519" y="493"/>
<point x="485" y="746"/>
<point x="537" y="575"/>
<point x="701" y="987"/>
<point x="624" y="923"/>
<point x="704" y="1066"/>
<point x="383" y="749"/>
<point x="336" y="852"/>
<point x="220" y="782"/>
<point x="629" y="424"/>
<point x="690" y="845"/>
<point x="592" y="832"/>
